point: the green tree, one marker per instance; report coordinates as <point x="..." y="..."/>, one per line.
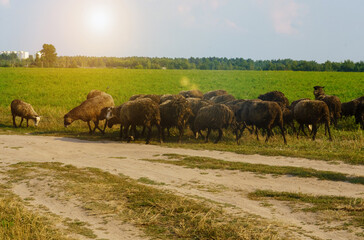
<point x="49" y="55"/>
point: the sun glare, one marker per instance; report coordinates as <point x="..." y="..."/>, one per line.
<point x="99" y="19"/>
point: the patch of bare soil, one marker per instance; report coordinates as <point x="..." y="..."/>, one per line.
<point x="227" y="188"/>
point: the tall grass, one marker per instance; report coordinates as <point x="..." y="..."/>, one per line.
<point x="53" y="92"/>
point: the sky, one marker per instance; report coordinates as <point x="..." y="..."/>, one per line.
<point x="317" y="30"/>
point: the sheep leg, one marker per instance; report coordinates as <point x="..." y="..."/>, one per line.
<point x="14" y="123"/>
<point x="238" y="135"/>
<point x="284" y="137"/>
<point x="126" y="133"/>
<point x="199" y="132"/>
<point x="97" y="126"/>
<point x="169" y="134"/>
<point x="181" y="130"/>
<point x="159" y="133"/>
<point x="27" y="122"/>
<point x="105" y="126"/>
<point x="207" y="135"/>
<point x="268" y="134"/>
<point x="219" y="137"/>
<point x="148" y="134"/>
<point x="314" y="130"/>
<point x="327" y="125"/>
<point x="256" y="132"/>
<point x="21" y="122"/>
<point x="89" y="127"/>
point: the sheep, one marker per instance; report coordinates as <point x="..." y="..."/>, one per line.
<point x="215" y="117"/>
<point x="156" y="98"/>
<point x="209" y="95"/>
<point x="90" y="110"/>
<point x="262" y="114"/>
<point x="223" y="98"/>
<point x="359" y="113"/>
<point x="194" y="93"/>
<point x="332" y="102"/>
<point x="94" y="93"/>
<point x="24" y="110"/>
<point x="175" y="113"/>
<point x="196" y="104"/>
<point x="275" y="96"/>
<point x="288" y="119"/>
<point x="349" y="108"/>
<point x="139" y="112"/>
<point x="166" y="97"/>
<point x="312" y="112"/>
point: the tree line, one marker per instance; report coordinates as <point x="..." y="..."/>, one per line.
<point x="47" y="57"/>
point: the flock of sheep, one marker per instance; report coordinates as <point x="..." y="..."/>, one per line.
<point x="214" y="110"/>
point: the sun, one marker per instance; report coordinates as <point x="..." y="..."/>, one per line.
<point x="99" y="19"/>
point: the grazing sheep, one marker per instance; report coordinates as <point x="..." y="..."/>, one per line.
<point x="223" y="98"/>
<point x="275" y="96"/>
<point x="261" y="114"/>
<point x="312" y="112"/>
<point x="196" y="104"/>
<point x="140" y="112"/>
<point x="156" y="98"/>
<point x="95" y="93"/>
<point x="332" y="102"/>
<point x="209" y="95"/>
<point x="90" y="110"/>
<point x="215" y="117"/>
<point x="194" y="93"/>
<point x="23" y="110"/>
<point x="175" y="113"/>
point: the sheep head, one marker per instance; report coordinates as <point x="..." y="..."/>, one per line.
<point x="318" y="91"/>
<point x="36" y="120"/>
<point x="110" y="113"/>
<point x="67" y="120"/>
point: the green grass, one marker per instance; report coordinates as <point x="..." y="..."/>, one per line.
<point x="211" y="163"/>
<point x="348" y="207"/>
<point x="53" y="92"/>
<point x="159" y="213"/>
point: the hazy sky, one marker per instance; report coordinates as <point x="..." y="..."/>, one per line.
<point x="316" y="30"/>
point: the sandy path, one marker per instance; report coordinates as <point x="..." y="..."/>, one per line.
<point x="229" y="187"/>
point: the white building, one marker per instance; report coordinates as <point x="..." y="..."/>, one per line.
<point x="21" y="54"/>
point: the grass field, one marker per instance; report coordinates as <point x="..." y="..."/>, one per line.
<point x="53" y="92"/>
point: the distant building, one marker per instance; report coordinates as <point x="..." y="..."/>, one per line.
<point x="21" y="54"/>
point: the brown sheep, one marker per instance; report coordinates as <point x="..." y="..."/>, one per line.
<point x="209" y="95"/>
<point x="261" y="114"/>
<point x="196" y="104"/>
<point x="90" y="110"/>
<point x="349" y="108"/>
<point x="215" y="117"/>
<point x="332" y="102"/>
<point x="94" y="93"/>
<point x="24" y="110"/>
<point x="312" y="112"/>
<point x="275" y="96"/>
<point x="156" y="98"/>
<point x="223" y="98"/>
<point x="359" y="113"/>
<point x="194" y="93"/>
<point x="175" y="113"/>
<point x="140" y="112"/>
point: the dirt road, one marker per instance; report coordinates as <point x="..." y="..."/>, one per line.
<point x="125" y="158"/>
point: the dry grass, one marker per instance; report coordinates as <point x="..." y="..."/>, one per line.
<point x="161" y="214"/>
<point x="16" y="222"/>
